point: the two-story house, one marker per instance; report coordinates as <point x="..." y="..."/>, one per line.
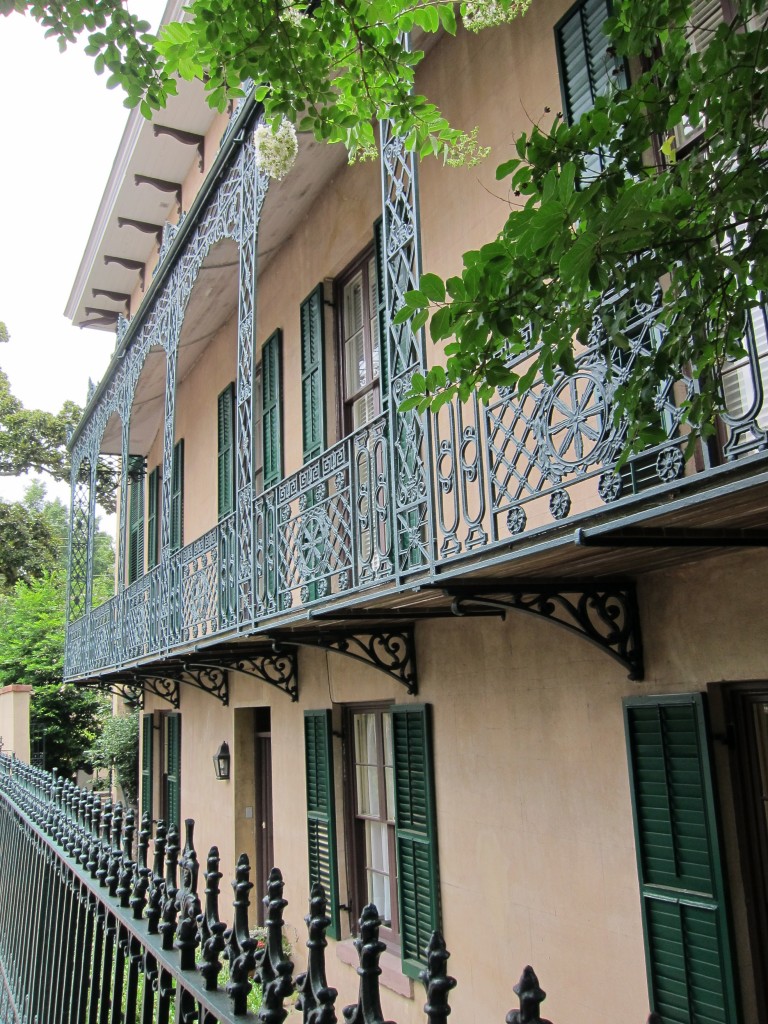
<point x="464" y="667"/>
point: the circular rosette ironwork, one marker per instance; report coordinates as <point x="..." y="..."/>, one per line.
<point x="576" y="430"/>
<point x="516" y="519"/>
<point x="560" y="504"/>
<point x="609" y="487"/>
<point x="314" y="541"/>
<point x="669" y="464"/>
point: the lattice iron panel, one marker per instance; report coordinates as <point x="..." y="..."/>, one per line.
<point x="104" y="625"/>
<point x="136" y="618"/>
<point x="79" y="553"/>
<point x="374" y="554"/>
<point x="530" y="461"/>
<point x="195" y="589"/>
<point x="408" y="430"/>
<point x="314" y="530"/>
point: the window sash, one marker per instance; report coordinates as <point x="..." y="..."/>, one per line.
<point x="360" y="334"/>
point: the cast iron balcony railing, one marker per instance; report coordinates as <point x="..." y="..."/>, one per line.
<point x="341" y="525"/>
<point x="91" y="932"/>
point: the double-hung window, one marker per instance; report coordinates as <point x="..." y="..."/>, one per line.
<point x="372" y="798"/>
<point x="358" y="303"/>
<point x="391" y="859"/>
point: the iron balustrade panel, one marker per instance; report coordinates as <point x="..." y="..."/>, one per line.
<point x="76" y="659"/>
<point x="315" y="542"/>
<point x="136" y="618"/>
<point x="195" y="589"/>
<point x="374" y="555"/>
<point x="528" y="461"/>
<point x="103" y="633"/>
<point x="265" y="554"/>
<point x="744" y="387"/>
<point x="228" y="572"/>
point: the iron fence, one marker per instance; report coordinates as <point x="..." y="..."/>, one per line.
<point x="91" y="932"/>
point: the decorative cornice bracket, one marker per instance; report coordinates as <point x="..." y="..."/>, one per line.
<point x="186" y="139"/>
<point x="605" y="612"/>
<point x="160" y="185"/>
<point x="388" y="648"/>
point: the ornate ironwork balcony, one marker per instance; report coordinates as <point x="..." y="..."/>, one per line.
<point x="344" y="524"/>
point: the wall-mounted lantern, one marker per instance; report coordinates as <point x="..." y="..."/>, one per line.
<point x="221" y="761"/>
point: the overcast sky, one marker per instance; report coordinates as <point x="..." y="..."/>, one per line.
<point x="60" y="130"/>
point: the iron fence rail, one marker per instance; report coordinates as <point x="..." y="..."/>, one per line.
<point x="92" y="933"/>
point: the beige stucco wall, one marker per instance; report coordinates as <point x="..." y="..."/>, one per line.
<point x="537" y="859"/>
<point x="14" y="720"/>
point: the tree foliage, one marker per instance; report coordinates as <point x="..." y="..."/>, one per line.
<point x="32" y="616"/>
<point x="584" y="245"/>
<point x="116" y="747"/>
<point x="578" y="233"/>
<point x="32" y="654"/>
<point x="33" y="440"/>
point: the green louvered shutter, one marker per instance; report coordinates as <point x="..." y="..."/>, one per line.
<point x="321" y="810"/>
<point x="153" y="517"/>
<point x="587" y="69"/>
<point x="173" y="769"/>
<point x="177" y="496"/>
<point x="271" y="409"/>
<point x="226" y="457"/>
<point x="688" y="950"/>
<point x="415" y="833"/>
<point x="147" y="738"/>
<point x="313" y="373"/>
<point x="136" y="519"/>
<point x="381" y="308"/>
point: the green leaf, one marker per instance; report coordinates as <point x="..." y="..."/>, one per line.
<point x="432" y="286"/>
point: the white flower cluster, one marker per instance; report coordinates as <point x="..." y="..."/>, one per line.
<point x="276" y="151"/>
<point x="480" y="14"/>
<point x="294" y="15"/>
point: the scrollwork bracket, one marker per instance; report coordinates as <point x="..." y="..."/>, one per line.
<point x="605" y="612"/>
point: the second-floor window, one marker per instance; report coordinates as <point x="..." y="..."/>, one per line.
<point x="135" y="518"/>
<point x="153" y="518"/>
<point x="358" y="303"/>
<point x="177" y="496"/>
<point x="226" y="450"/>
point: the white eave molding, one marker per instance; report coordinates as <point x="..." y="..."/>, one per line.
<point x="173" y="12"/>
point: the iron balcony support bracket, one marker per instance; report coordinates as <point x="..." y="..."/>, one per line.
<point x="604" y="612"/>
<point x="160" y="683"/>
<point x="276" y="665"/>
<point x="129" y="690"/>
<point x="209" y="678"/>
<point x="388" y="648"/>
